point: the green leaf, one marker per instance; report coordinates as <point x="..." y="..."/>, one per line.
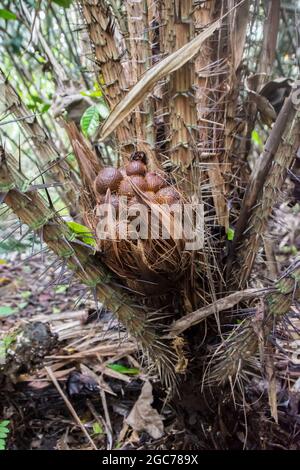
<point x="97" y="429"/>
<point x="63" y="3"/>
<point x="22" y="305"/>
<point x="92" y="93"/>
<point x="7" y="341"/>
<point x="230" y="234"/>
<point x="7" y="15"/>
<point x="4" y="424"/>
<point x="4" y="431"/>
<point x="2" y="444"/>
<point x="37" y="99"/>
<point x="90" y="121"/>
<point x="95" y="92"/>
<point x="83" y="233"/>
<point x="257" y="139"/>
<point x="5" y="311"/>
<point x="25" y="294"/>
<point x="123" y="369"/>
<point x="45" y="108"/>
<point x="60" y="289"/>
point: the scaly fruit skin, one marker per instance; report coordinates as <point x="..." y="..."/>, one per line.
<point x="108" y="178"/>
<point x="136" y="167"/>
<point x="155" y="181"/>
<point x="126" y="188"/>
<point x="167" y="195"/>
<point x="140" y="182"/>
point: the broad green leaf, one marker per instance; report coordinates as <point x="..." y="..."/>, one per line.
<point x="4" y="424"/>
<point x="63" y="3"/>
<point x="7" y="15"/>
<point x="230" y="234"/>
<point x="3" y="433"/>
<point x="123" y="369"/>
<point x="92" y="93"/>
<point x="97" y="428"/>
<point x="78" y="228"/>
<point x="5" y="311"/>
<point x="82" y="232"/>
<point x="90" y="121"/>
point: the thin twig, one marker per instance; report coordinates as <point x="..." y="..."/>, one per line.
<point x="69" y="406"/>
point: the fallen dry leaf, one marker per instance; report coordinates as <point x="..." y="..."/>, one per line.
<point x="145" y="418"/>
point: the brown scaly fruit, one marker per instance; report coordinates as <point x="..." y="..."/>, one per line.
<point x="136" y="168"/>
<point x="168" y="195"/>
<point x="155" y="181"/>
<point x="126" y="189"/>
<point x="108" y="178"/>
<point x="140" y="182"/>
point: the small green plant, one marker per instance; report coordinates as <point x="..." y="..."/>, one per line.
<point x="123" y="369"/>
<point x="4" y="431"/>
<point x="97" y="429"/>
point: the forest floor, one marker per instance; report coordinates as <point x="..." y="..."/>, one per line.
<point x="90" y="342"/>
<point x="92" y="392"/>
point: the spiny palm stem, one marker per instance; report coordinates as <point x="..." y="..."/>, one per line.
<point x="31" y="209"/>
<point x="44" y="147"/>
<point x="244" y="341"/>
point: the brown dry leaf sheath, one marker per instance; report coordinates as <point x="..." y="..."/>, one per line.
<point x="158" y="72"/>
